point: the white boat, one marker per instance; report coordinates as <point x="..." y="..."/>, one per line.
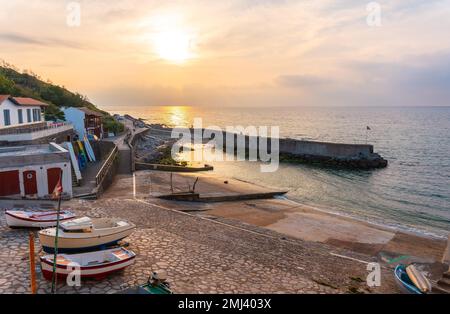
<point x="35" y="219"/>
<point x="85" y="234"/>
<point x="97" y="265"/>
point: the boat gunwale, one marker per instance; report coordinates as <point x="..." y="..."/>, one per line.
<point x="39" y="220"/>
<point x="62" y="236"/>
<point x="45" y="260"/>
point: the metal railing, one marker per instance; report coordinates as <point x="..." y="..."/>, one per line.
<point x="103" y="172"/>
<point x="25" y="129"/>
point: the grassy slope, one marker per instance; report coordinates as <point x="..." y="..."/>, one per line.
<point x="30" y="85"/>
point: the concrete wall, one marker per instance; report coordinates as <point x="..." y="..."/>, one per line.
<point x="334" y="150"/>
<point x="41" y="177"/>
<point x="306" y="148"/>
<point x="38" y="158"/>
<point x="14" y="116"/>
<point x="76" y="117"/>
<point x="36" y="135"/>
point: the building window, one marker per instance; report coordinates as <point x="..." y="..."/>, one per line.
<point x="7" y="117"/>
<point x="29" y="115"/>
<point x="36" y="115"/>
<point x="20" y="114"/>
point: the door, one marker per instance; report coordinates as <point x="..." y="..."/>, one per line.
<point x="9" y="183"/>
<point x="52" y="178"/>
<point x="29" y="182"/>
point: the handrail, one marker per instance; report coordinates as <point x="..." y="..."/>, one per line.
<point x="26" y="130"/>
<point x="106" y="166"/>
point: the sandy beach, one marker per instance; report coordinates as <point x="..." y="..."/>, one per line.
<point x="256" y="246"/>
<point x="293" y="219"/>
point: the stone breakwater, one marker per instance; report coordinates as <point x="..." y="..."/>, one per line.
<point x="356" y="156"/>
<point x="331" y="154"/>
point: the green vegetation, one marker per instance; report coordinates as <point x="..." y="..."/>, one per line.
<point x="28" y="84"/>
<point x="110" y="124"/>
<point x="166" y="158"/>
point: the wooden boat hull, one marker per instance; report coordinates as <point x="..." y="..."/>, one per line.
<point x="84" y="242"/>
<point x="17" y="221"/>
<point x="99" y="271"/>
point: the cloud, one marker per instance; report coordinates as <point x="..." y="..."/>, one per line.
<point x="300" y="80"/>
<point x="31" y="40"/>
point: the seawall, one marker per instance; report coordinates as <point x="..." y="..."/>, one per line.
<point x="356" y="156"/>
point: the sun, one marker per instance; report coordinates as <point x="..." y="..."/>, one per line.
<point x="174" y="45"/>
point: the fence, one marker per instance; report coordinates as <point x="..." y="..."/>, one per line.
<point x="106" y="168"/>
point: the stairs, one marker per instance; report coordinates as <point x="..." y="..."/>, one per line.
<point x="75" y="181"/>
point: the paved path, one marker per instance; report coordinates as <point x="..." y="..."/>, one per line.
<point x="200" y="255"/>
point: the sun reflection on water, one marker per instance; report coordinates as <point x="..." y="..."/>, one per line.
<point x="177" y="116"/>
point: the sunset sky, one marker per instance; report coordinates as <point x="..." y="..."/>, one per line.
<point x="235" y="52"/>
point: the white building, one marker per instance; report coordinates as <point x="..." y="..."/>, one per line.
<point x="18" y="111"/>
<point x="33" y="171"/>
<point x="85" y="121"/>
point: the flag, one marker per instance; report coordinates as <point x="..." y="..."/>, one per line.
<point x="368" y="128"/>
<point x="58" y="188"/>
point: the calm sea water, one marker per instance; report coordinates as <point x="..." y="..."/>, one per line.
<point x="413" y="192"/>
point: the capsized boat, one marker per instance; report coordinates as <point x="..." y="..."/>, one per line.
<point x="35" y="219"/>
<point x="96" y="265"/>
<point x="85" y="234"/>
<point x="408" y="277"/>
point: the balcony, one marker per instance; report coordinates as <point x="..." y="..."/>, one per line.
<point x="27" y="133"/>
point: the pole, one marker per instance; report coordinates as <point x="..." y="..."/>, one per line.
<point x="54" y="277"/>
<point x="32" y="263"/>
<point x="134" y="184"/>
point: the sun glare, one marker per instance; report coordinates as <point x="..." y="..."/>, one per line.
<point x="173" y="45"/>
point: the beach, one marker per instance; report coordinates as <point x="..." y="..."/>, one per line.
<point x="228" y="247"/>
<point x="200" y="254"/>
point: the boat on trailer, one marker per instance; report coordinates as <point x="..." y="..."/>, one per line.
<point x="85" y="234"/>
<point x="95" y="265"/>
<point x="35" y="219"/>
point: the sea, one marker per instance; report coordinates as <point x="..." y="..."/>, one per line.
<point x="412" y="193"/>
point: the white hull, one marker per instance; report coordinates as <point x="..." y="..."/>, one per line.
<point x="103" y="263"/>
<point x="83" y="241"/>
<point x="14" y="221"/>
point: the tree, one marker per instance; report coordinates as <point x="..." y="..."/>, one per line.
<point x="6" y="85"/>
<point x="53" y="113"/>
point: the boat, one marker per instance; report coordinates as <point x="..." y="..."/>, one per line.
<point x="418" y="279"/>
<point x="404" y="281"/>
<point x="156" y="284"/>
<point x="95" y="265"/>
<point x="35" y="219"/>
<point x="85" y="234"/>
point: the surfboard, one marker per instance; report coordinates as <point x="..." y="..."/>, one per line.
<point x="82" y="152"/>
<point x="74" y="160"/>
<point x="89" y="149"/>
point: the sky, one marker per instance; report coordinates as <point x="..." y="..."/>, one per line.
<point x="235" y="52"/>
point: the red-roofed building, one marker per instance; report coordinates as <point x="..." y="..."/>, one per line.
<point x="16" y="111"/>
<point x="22" y="123"/>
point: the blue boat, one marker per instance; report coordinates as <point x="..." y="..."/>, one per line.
<point x="404" y="283"/>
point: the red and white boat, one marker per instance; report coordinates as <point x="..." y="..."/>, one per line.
<point x="35" y="219"/>
<point x="95" y="265"/>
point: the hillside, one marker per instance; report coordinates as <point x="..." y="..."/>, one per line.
<point x="28" y="84"/>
